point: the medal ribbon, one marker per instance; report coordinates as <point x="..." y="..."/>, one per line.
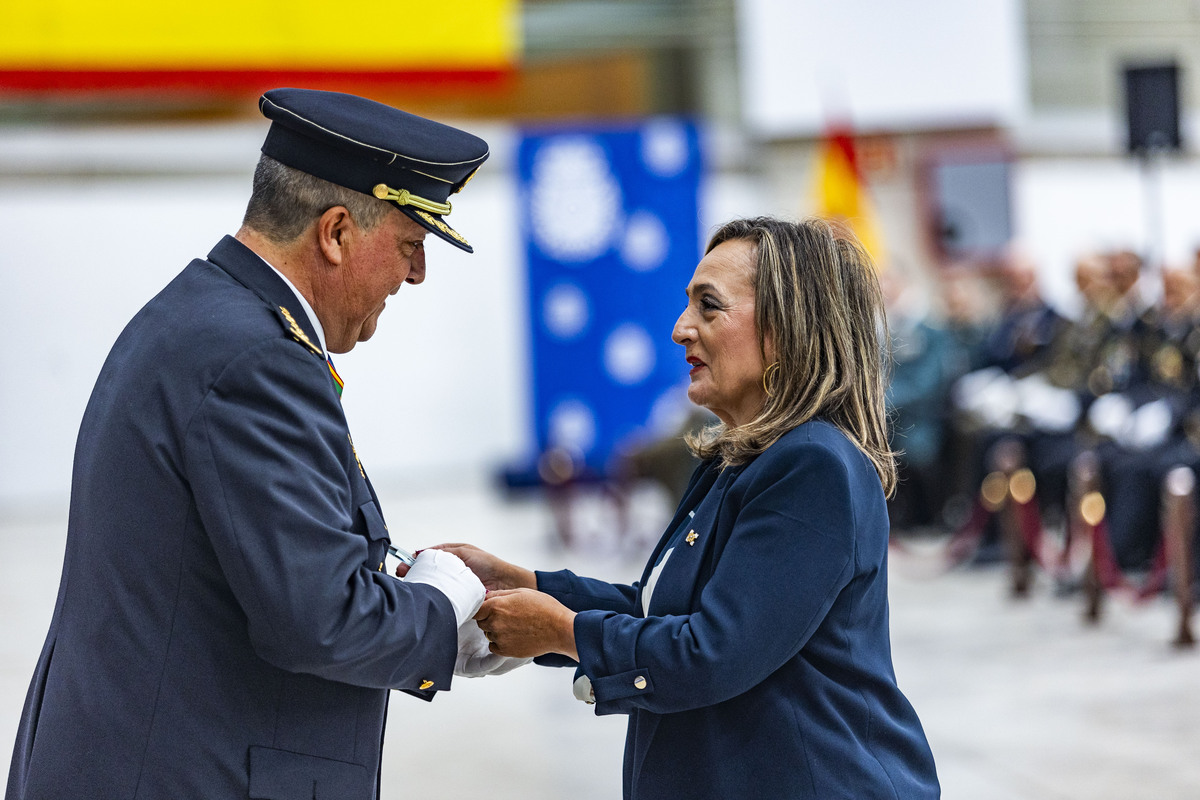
<point x="338" y="383"/>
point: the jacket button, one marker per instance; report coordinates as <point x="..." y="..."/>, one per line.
<point x="639" y="682"/>
<point x="426" y="685"/>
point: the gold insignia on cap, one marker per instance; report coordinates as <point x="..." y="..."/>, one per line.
<point x="298" y="333"/>
<point x="441" y="226"/>
<point x="404" y="197"/>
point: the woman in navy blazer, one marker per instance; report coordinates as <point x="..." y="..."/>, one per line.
<point x="753" y="657"/>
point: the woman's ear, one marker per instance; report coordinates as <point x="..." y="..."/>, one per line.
<point x="768" y="348"/>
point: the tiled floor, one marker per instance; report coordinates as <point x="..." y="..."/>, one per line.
<point x="1020" y="700"/>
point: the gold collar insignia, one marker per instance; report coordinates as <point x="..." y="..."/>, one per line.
<point x="298" y="333"/>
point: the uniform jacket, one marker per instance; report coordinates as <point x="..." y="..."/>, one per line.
<point x="763" y="669"/>
<point x="223" y="628"/>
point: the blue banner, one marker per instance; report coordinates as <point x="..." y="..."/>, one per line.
<point x="610" y="222"/>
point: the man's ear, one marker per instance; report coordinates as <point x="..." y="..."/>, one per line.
<point x="333" y="228"/>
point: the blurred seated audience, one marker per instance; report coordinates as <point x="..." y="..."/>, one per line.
<point x="1033" y="413"/>
<point x="1027" y="323"/>
<point x="1155" y="425"/>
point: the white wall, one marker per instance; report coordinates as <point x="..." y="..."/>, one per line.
<point x="79" y="259"/>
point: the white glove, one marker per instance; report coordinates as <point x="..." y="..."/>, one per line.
<point x="475" y="659"/>
<point x="448" y="574"/>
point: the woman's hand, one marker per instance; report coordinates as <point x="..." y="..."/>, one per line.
<point x="493" y="572"/>
<point x="523" y="623"/>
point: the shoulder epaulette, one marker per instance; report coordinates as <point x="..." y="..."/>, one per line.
<point x="298" y="333"/>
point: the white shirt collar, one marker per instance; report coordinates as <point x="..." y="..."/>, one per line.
<point x="308" y="310"/>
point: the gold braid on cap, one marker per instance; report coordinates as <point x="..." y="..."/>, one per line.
<point x="406" y="198"/>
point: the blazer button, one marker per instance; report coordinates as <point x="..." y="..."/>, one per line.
<point x="426" y="685"/>
<point x="639" y="682"/>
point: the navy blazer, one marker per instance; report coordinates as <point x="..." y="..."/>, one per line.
<point x="764" y="667"/>
<point x="223" y="625"/>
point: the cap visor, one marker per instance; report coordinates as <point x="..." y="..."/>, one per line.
<point x="437" y="226"/>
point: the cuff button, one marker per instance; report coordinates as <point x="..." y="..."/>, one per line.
<point x="639" y="682"/>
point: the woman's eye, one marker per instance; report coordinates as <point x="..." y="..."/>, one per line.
<point x="708" y="304"/>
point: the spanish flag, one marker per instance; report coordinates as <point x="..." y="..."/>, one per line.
<point x="840" y="191"/>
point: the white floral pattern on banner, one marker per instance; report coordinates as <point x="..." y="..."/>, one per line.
<point x="573" y="426"/>
<point x="575" y="200"/>
<point x="646" y="242"/>
<point x="629" y="354"/>
<point x="665" y="150"/>
<point x="565" y="311"/>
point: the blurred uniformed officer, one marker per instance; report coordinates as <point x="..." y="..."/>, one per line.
<point x="1027" y="323"/>
<point x="1041" y="402"/>
<point x="1093" y="355"/>
<point x="1026" y="339"/>
<point x="224" y="627"/>
<point x="1155" y="426"/>
<point x="1125" y="272"/>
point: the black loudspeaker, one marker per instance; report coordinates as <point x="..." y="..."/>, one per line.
<point x="972" y="207"/>
<point x="1152" y="108"/>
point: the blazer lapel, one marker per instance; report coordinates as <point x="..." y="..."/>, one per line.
<point x="680" y="580"/>
<point x="702" y="480"/>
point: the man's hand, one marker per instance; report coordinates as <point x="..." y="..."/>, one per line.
<point x="447" y="573"/>
<point x="495" y="573"/>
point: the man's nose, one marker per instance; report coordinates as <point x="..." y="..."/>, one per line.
<point x="416" y="273"/>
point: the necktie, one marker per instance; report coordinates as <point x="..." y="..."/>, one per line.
<point x="338" y="383"/>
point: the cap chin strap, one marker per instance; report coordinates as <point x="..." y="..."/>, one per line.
<point x="404" y="198"/>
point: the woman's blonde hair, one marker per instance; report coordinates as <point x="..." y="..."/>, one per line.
<point x="818" y="302"/>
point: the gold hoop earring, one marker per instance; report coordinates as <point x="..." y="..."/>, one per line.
<point x="772" y="371"/>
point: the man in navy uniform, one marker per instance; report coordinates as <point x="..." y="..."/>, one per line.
<point x="225" y="626"/>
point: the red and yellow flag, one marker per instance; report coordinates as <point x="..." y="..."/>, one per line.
<point x="242" y="44"/>
<point x="841" y="193"/>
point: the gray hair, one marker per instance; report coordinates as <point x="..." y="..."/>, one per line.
<point x="284" y="201"/>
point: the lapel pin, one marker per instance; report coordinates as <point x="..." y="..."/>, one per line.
<point x="691" y="538"/>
